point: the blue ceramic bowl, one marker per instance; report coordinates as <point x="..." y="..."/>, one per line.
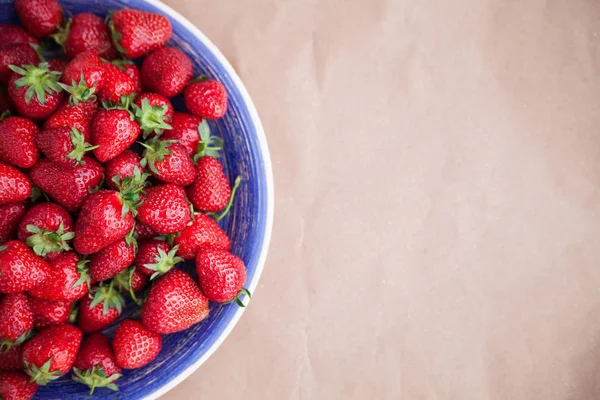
<point x="248" y="225"/>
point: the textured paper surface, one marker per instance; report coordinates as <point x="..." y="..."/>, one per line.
<point x="437" y="166"/>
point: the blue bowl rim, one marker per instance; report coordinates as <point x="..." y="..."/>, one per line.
<point x="268" y="171"/>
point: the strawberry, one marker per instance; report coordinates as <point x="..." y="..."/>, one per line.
<point x="89" y="65"/>
<point x="12" y="360"/>
<point x="156" y="258"/>
<point x="202" y="233"/>
<point x="78" y="116"/>
<point x="57" y="65"/>
<point x="49" y="313"/>
<point x="100" y="309"/>
<point x="113" y="131"/>
<point x="15" y="54"/>
<point x="15" y="385"/>
<point x="210" y="191"/>
<point x="131" y="280"/>
<point x="118" y="86"/>
<point x="14" y="34"/>
<point x="106" y="217"/>
<point x="10" y="215"/>
<point x="166" y="71"/>
<point x="136" y="33"/>
<point x="69" y="187"/>
<point x="184" y="128"/>
<point x="153" y="112"/>
<point x="64" y="146"/>
<point x="95" y="365"/>
<point x="14" y="185"/>
<point x="16" y="320"/>
<point x="51" y="353"/>
<point x="135" y="345"/>
<point x="67" y="281"/>
<point x="174" y="304"/>
<point x="113" y="259"/>
<point x="17" y="145"/>
<point x="143" y="231"/>
<point x="132" y="71"/>
<point x="86" y="32"/>
<point x="47" y="228"/>
<point x="34" y="90"/>
<point x="169" y="161"/>
<point x="206" y="98"/>
<point x="221" y="275"/>
<point x="20" y="268"/>
<point x="165" y="209"/>
<point x="123" y="165"/>
<point x="40" y="17"/>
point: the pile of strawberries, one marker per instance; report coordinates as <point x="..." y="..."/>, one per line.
<point x="104" y="189"/>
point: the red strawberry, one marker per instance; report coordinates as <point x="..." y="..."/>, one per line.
<point x="16" y="320"/>
<point x="40" y="17"/>
<point x="174" y="304"/>
<point x="221" y="275"/>
<point x="123" y="165"/>
<point x="206" y="98"/>
<point x="202" y="233"/>
<point x="210" y="191"/>
<point x="165" y="209"/>
<point x="166" y="71"/>
<point x="136" y="33"/>
<point x="34" y="90"/>
<point x="95" y="365"/>
<point x="156" y="258"/>
<point x="113" y="131"/>
<point x="17" y="145"/>
<point x="153" y="112"/>
<point x="143" y="231"/>
<point x="118" y="86"/>
<point x="113" y="259"/>
<point x="131" y="280"/>
<point x="14" y="185"/>
<point x="64" y="146"/>
<point x="20" y="268"/>
<point x="10" y="215"/>
<point x="14" y="34"/>
<point x="69" y="187"/>
<point x="47" y="228"/>
<point x="169" y="161"/>
<point x="49" y="313"/>
<point x="5" y="102"/>
<point x="57" y="65"/>
<point x="68" y="280"/>
<point x="132" y="71"/>
<point x="78" y="116"/>
<point x="12" y="360"/>
<point x="86" y="32"/>
<point x="16" y="386"/>
<point x="135" y="345"/>
<point x="106" y="217"/>
<point x="15" y="54"/>
<point x="100" y="309"/>
<point x="51" y="353"/>
<point x="90" y="66"/>
<point x="184" y="128"/>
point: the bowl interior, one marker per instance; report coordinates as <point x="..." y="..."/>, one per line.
<point x="248" y="225"/>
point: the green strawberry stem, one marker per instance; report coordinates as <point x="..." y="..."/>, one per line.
<point x="79" y="91"/>
<point x="4" y="115"/>
<point x="237" y="297"/>
<point x="151" y="118"/>
<point x="208" y="145"/>
<point x="61" y="35"/>
<point x="38" y="80"/>
<point x="42" y="376"/>
<point x="80" y="146"/>
<point x="96" y="377"/>
<point x="84" y="276"/>
<point x="123" y="281"/>
<point x="131" y="241"/>
<point x="156" y="150"/>
<point x="44" y="242"/>
<point x="164" y="262"/>
<point x="236" y="185"/>
<point x="115" y="36"/>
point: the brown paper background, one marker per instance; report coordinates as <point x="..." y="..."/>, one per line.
<point x="437" y="166"/>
